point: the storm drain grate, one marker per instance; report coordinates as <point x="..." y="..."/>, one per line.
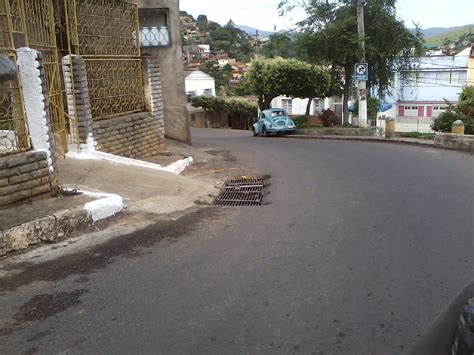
<point x="242" y="191"/>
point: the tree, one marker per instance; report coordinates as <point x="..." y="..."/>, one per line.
<point x="279" y="45"/>
<point x="269" y="78"/>
<point x="222" y="76"/>
<point x="463" y="111"/>
<point x="201" y="19"/>
<point x="329" y="35"/>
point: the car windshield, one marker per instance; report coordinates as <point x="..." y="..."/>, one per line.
<point x="278" y="113"/>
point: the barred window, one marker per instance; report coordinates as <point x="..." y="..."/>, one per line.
<point x="154" y="28"/>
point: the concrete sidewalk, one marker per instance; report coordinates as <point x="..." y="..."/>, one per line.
<point x="147" y="193"/>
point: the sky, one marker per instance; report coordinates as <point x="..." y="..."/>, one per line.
<point x="263" y="14"/>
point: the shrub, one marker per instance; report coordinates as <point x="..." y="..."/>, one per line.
<point x="329" y="118"/>
<point x="463" y="111"/>
<point x="445" y="121"/>
<point x="301" y="121"/>
<point x="236" y="107"/>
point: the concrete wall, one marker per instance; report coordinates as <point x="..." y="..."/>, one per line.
<point x="176" y="117"/>
<point x="413" y="124"/>
<point x="454" y="141"/>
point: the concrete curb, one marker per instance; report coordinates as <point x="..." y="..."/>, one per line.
<point x="367" y="139"/>
<point x="49" y="229"/>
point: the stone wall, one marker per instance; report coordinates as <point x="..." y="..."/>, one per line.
<point x="25" y="175"/>
<point x="132" y="136"/>
<point x="454" y="141"/>
<point x="79" y="107"/>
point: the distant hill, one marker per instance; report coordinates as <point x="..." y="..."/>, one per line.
<point x="453" y="34"/>
<point x="252" y="31"/>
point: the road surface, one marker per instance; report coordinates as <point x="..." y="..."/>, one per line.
<point x="357" y="248"/>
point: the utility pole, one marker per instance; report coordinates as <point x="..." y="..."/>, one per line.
<point x="362" y="83"/>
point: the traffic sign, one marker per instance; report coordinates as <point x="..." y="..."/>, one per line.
<point x="361" y="72"/>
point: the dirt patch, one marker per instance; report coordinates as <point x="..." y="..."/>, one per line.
<point x="224" y="155"/>
<point x="44" y="306"/>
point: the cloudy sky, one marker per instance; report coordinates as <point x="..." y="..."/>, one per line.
<point x="262" y="14"/>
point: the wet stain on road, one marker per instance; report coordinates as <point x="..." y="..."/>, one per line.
<point x="43" y="306"/>
<point x="131" y="245"/>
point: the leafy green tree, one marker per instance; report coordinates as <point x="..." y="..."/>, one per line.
<point x="279" y="45"/>
<point x="269" y="78"/>
<point x="329" y="36"/>
<point x="221" y="76"/>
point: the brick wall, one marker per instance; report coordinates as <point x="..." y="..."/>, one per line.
<point x="132" y="136"/>
<point x="25" y="175"/>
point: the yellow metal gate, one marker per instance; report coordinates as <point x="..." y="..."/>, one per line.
<point x="14" y="135"/>
<point x="41" y="35"/>
<point x="105" y="33"/>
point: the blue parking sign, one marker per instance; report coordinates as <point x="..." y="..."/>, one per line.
<point x="361" y="71"/>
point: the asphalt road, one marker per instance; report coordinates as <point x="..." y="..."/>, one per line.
<point x="357" y="248"/>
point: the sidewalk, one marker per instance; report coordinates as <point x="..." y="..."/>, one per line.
<point x="143" y="192"/>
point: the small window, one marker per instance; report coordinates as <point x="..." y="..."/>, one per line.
<point x="207" y="92"/>
<point x="190" y="94"/>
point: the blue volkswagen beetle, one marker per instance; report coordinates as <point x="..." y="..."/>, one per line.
<point x="274" y="120"/>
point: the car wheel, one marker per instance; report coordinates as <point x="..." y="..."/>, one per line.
<point x="464" y="342"/>
<point x="255" y="134"/>
<point x="265" y="132"/>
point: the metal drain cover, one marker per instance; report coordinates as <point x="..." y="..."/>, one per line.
<point x="242" y="191"/>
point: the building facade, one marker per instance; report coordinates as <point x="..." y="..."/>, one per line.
<point x="417" y="100"/>
<point x="198" y="83"/>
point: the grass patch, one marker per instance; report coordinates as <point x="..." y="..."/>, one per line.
<point x="417" y="135"/>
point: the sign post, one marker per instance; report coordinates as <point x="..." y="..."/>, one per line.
<point x="361" y="71"/>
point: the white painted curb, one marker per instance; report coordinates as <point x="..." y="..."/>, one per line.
<point x="176" y="168"/>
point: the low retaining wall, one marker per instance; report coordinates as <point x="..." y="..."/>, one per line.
<point x="454" y="141"/>
<point x="25" y="175"/>
<point x="51" y="228"/>
<point x="132" y="136"/>
<point x="336" y="131"/>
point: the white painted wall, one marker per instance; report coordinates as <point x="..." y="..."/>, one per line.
<point x="298" y="105"/>
<point x="198" y="82"/>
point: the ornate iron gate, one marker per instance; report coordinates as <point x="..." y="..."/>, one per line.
<point x="13" y="128"/>
<point x="108" y="38"/>
<point x="105" y="33"/>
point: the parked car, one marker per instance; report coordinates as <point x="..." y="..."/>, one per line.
<point x="274" y="120"/>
